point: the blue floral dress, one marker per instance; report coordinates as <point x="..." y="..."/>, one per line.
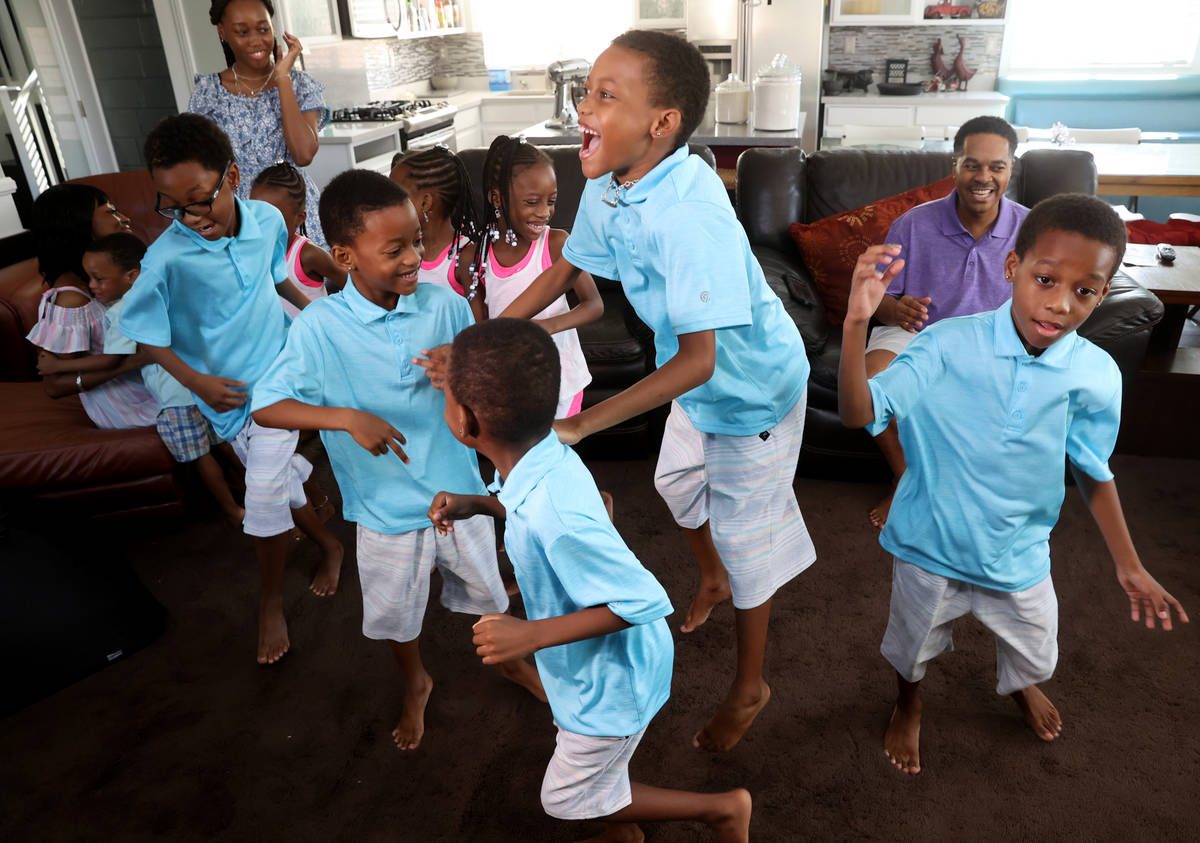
<point x="255" y="128"/>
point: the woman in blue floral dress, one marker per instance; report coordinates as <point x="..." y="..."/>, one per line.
<point x="271" y="111"/>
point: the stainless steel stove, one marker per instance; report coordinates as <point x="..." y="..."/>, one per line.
<point x="423" y="123"/>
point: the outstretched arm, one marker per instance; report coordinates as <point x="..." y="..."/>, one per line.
<point x="548" y="286"/>
<point x="691" y="366"/>
<point x="372" y="433"/>
<point x="448" y="508"/>
<point x="1146" y="596"/>
<point x="501" y="638"/>
<point x="867" y="288"/>
<point x="590" y="306"/>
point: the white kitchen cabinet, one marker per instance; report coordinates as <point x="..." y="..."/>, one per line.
<point x="468" y="130"/>
<point x="933" y="111"/>
<point x="508" y="114"/>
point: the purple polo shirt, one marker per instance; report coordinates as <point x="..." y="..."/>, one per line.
<point x="961" y="275"/>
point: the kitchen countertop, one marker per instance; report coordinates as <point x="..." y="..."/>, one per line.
<point x="942" y="97"/>
<point x="708" y="132"/>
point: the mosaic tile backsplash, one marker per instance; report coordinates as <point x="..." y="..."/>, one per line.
<point x="382" y="64"/>
<point x="874" y="44"/>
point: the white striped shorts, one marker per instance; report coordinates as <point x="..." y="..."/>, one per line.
<point x="588" y="776"/>
<point x="395" y="571"/>
<point x="891" y="338"/>
<point x="742" y="486"/>
<point x="275" y="476"/>
<point x="921" y="623"/>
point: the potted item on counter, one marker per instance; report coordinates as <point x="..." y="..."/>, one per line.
<point x="777" y="96"/>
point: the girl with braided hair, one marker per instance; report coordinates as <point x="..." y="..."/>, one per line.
<point x="521" y="190"/>
<point x="309" y="267"/>
<point x="270" y="110"/>
<point x="439" y="186"/>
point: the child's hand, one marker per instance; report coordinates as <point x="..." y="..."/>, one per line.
<point x="222" y="394"/>
<point x="568" y="430"/>
<point x="502" y="638"/>
<point x="912" y="312"/>
<point x="375" y="435"/>
<point x="436" y="364"/>
<point x="1146" y="595"/>
<point x="868" y="285"/>
<point x="446" y="509"/>
<point x="50" y="364"/>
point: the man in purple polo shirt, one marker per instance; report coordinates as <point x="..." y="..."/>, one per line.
<point x="953" y="251"/>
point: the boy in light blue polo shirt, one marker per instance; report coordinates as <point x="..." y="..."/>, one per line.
<point x="596" y="625"/>
<point x="729" y="358"/>
<point x="988" y="408"/>
<point x="347" y="370"/>
<point x="206" y="309"/>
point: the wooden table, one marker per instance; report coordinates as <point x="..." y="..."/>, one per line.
<point x="1177" y="285"/>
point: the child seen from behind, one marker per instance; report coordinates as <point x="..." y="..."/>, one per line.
<point x="596" y="624"/>
<point x="440" y="188"/>
<point x="730" y="359"/>
<point x="113" y="264"/>
<point x="988" y="408"/>
<point x="347" y="370"/>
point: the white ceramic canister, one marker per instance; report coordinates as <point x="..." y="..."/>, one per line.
<point x="733" y="100"/>
<point x="777" y="96"/>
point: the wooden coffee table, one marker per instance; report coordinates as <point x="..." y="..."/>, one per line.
<point x="1177" y="285"/>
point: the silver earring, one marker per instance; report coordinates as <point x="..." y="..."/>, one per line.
<point x="510" y="237"/>
<point x="425" y="216"/>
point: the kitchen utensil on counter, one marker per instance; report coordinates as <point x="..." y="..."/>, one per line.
<point x="903" y="89"/>
<point x="568" y="76"/>
<point x="777" y="96"/>
<point x="733" y="100"/>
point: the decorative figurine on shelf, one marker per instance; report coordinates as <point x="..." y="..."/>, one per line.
<point x="961" y="70"/>
<point x="1060" y="135"/>
<point x="990" y="8"/>
<point x="937" y="64"/>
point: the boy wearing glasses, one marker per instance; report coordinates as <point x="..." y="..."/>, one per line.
<point x="955" y="249"/>
<point x="205" y="308"/>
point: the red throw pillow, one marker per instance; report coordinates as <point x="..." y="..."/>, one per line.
<point x="831" y="246"/>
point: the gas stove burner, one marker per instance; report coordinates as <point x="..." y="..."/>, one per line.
<point x="385" y="110"/>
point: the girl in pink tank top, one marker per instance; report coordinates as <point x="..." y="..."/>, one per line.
<point x="521" y="191"/>
<point x="310" y="268"/>
<point x="440" y="189"/>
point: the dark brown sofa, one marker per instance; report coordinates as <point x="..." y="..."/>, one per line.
<point x="49" y="448"/>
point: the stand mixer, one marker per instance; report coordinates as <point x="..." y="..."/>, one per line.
<point x="568" y="76"/>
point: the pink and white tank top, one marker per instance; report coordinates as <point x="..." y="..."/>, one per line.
<point x="440" y="270"/>
<point x="505" y="283"/>
<point x="314" y="289"/>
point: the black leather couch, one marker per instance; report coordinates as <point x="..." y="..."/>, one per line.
<point x="779" y="186"/>
<point x="619" y="348"/>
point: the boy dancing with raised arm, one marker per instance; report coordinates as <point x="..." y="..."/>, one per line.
<point x="988" y="407"/>
<point x="596" y="625"/>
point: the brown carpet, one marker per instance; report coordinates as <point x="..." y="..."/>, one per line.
<point x="190" y="739"/>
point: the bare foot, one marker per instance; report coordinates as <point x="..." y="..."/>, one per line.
<point x="731" y="822"/>
<point x="901" y="741"/>
<point x="1040" y="713"/>
<point x="525" y="675"/>
<point x="618" y="833"/>
<point x="708" y="596"/>
<point x="325" y="581"/>
<point x="411" y="728"/>
<point x="731" y="721"/>
<point x="272" y="631"/>
<point x="879" y="515"/>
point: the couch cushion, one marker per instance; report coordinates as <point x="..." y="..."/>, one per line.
<point x="47" y="443"/>
<point x="831" y="246"/>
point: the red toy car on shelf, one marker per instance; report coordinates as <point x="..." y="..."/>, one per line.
<point x="946" y="10"/>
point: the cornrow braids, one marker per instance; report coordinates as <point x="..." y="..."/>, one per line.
<point x="216" y="11"/>
<point x="504" y="156"/>
<point x="285" y="177"/>
<point x="439" y="170"/>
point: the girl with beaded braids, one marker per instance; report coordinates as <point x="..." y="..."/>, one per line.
<point x="440" y="188"/>
<point x="309" y="267"/>
<point x="520" y="189"/>
<point x="270" y="110"/>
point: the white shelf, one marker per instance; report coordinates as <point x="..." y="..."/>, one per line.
<point x="430" y="33"/>
<point x="982" y="22"/>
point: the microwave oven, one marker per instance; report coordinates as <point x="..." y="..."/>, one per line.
<point x="371" y="18"/>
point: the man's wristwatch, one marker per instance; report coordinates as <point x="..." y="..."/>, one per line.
<point x="79" y="381"/>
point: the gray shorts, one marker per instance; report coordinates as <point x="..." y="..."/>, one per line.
<point x="921" y="622"/>
<point x="588" y="776"/>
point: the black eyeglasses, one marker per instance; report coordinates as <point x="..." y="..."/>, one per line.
<point x="196" y="209"/>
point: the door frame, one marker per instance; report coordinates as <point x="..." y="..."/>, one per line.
<point x="85" y="107"/>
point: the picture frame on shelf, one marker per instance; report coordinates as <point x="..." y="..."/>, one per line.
<point x="660" y="14"/>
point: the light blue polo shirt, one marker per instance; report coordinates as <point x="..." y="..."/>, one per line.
<point x="568" y="556"/>
<point x="959" y="274"/>
<point x="214" y="302"/>
<point x="986" y="428"/>
<point x="345" y="351"/>
<point x="165" y="389"/>
<point x="682" y="257"/>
